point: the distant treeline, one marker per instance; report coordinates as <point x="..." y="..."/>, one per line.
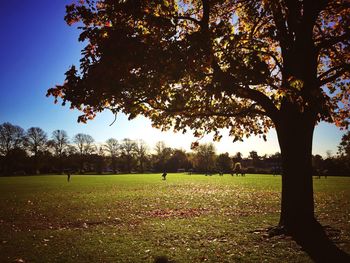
<point x="34" y="152"/>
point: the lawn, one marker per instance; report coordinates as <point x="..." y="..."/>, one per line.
<point x="138" y="218"/>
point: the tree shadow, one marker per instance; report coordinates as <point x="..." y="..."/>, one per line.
<point x="163" y="259"/>
<point x="318" y="245"/>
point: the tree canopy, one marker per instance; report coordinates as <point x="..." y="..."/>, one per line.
<point x="232" y="62"/>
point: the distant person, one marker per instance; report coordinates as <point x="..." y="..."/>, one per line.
<point x="68" y="177"/>
<point x="164" y="176"/>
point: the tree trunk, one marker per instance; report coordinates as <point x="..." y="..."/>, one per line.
<point x="295" y="135"/>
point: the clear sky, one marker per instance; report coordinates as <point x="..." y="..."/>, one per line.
<point x="37" y="48"/>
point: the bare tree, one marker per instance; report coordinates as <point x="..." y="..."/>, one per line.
<point x="59" y="143"/>
<point x="128" y="151"/>
<point x="85" y="146"/>
<point x="11" y="137"/>
<point x="84" y="143"/>
<point x="36" y="143"/>
<point x="113" y="148"/>
<point x="142" y="152"/>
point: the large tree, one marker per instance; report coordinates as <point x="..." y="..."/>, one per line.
<point x="204" y="65"/>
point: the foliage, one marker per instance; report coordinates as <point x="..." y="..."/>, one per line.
<point x="238" y="157"/>
<point x="344" y="146"/>
<point x="205" y="158"/>
<point x="254" y="155"/>
<point x="162" y="156"/>
<point x="178" y="160"/>
<point x="208" y="65"/>
<point x="224" y="163"/>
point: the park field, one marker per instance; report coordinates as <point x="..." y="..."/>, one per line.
<point x="141" y="218"/>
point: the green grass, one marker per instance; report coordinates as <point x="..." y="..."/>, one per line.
<point x="136" y="218"/>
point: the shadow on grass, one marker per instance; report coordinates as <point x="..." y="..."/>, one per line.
<point x="318" y="245"/>
<point x="163" y="259"/>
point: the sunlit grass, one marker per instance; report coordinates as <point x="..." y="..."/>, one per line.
<point x="136" y="218"/>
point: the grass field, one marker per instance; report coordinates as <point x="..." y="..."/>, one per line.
<point x="137" y="218"/>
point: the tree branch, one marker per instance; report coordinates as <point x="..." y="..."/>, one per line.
<point x="327" y="43"/>
<point x="256" y="25"/>
<point x="267" y="53"/>
<point x="283" y="35"/>
<point x="343" y="68"/>
<point x="324" y="74"/>
<point x="231" y="86"/>
<point x="260" y="98"/>
<point x="206" y="14"/>
<point x="207" y="112"/>
<point x="228" y="82"/>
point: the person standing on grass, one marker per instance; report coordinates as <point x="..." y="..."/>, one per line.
<point x="68" y="177"/>
<point x="164" y="175"/>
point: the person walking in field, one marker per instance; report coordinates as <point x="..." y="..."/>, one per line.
<point x="164" y="176"/>
<point x="68" y="177"/>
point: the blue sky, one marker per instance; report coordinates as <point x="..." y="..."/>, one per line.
<point x="37" y="47"/>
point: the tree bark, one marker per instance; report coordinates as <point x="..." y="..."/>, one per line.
<point x="295" y="134"/>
